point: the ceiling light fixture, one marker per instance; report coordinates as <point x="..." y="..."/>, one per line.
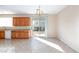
<point x="39" y="11"/>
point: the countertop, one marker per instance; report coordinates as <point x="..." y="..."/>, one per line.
<point x="16" y="28"/>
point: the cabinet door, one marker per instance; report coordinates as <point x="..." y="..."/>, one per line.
<point x="13" y="35"/>
<point x="28" y="21"/>
<point x="2" y="34"/>
<point x="24" y="34"/>
<point x="21" y="21"/>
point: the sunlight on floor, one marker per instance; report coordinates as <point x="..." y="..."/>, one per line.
<point x="43" y="35"/>
<point x="50" y="44"/>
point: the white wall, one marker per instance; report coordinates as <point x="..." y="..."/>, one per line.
<point x="6" y="22"/>
<point x="51" y="26"/>
<point x="68" y="26"/>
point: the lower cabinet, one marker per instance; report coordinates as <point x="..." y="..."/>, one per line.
<point x="2" y="34"/>
<point x="20" y="34"/>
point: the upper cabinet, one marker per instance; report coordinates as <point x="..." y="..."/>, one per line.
<point x="21" y="21"/>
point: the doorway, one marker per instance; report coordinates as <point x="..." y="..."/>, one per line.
<point x="39" y="26"/>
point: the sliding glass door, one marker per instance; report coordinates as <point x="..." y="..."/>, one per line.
<point x="39" y="27"/>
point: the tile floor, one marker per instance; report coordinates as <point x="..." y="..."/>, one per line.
<point x="34" y="45"/>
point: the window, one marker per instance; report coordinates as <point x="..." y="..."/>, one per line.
<point x="6" y="22"/>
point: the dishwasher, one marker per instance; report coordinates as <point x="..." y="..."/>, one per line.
<point x="7" y="34"/>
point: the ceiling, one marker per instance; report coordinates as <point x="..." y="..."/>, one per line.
<point x="29" y="9"/>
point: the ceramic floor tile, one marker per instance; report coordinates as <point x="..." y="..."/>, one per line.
<point x="34" y="45"/>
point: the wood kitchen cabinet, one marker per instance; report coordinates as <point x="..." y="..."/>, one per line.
<point x="21" y="21"/>
<point x="2" y="34"/>
<point x="20" y="34"/>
